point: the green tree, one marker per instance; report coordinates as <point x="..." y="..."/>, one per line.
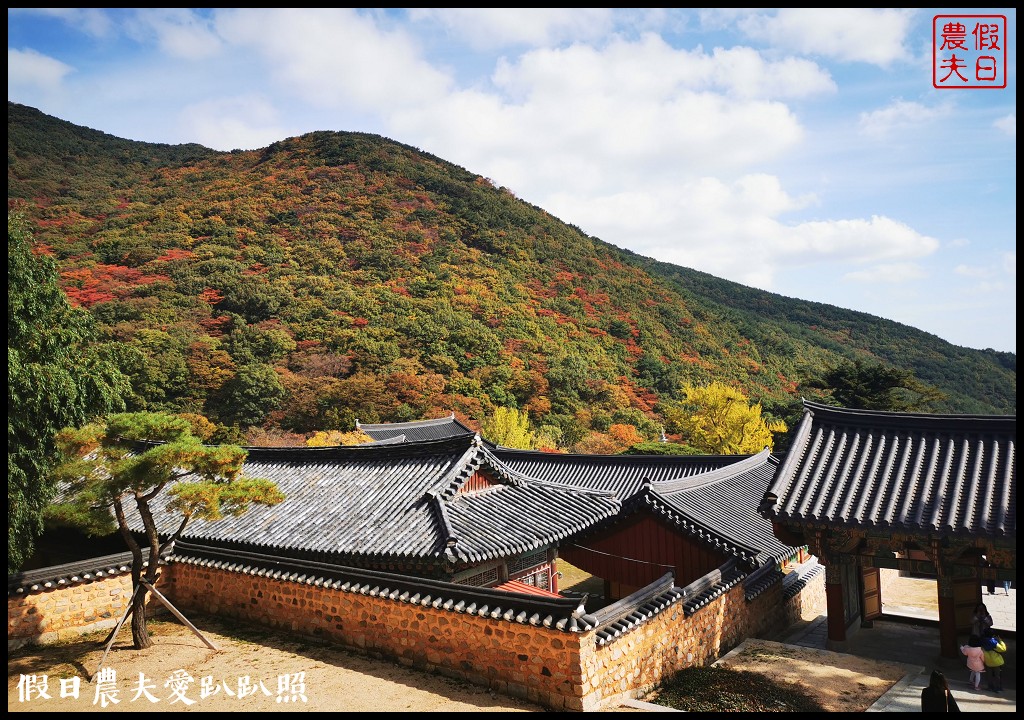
<point x="143" y="458"/>
<point x="251" y="394"/>
<point x="719" y="419"/>
<point x="56" y="377"/>
<point x="509" y="428"/>
<point x="873" y="386"/>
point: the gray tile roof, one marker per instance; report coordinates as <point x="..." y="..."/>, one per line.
<point x="377" y="504"/>
<point x="938" y="474"/>
<point x="623" y="475"/>
<point x="711" y="497"/>
<point x="719" y="507"/>
<point x="416" y="430"/>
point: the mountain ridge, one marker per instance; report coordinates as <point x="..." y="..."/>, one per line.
<point x="336" y="275"/>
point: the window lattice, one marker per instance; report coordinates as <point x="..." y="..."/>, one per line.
<point x="525" y="562"/>
<point x="485" y="579"/>
<point x="540" y="579"/>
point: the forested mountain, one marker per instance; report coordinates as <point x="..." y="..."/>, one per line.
<point x="341" y="275"/>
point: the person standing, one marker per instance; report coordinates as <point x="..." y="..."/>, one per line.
<point x="937" y="697"/>
<point x="981" y="621"/>
<point x="990" y="582"/>
<point x="993" y="648"/>
<point x="975" y="660"/>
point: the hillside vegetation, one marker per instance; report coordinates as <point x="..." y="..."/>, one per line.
<point x="340" y="276"/>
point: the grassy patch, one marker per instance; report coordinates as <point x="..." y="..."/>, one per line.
<point x="717" y="689"/>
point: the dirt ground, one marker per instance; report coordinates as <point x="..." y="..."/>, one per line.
<point x="259" y="670"/>
<point x="254" y="670"/>
<point x="840" y="682"/>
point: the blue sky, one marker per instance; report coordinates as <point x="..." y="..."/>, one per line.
<point x="805" y="152"/>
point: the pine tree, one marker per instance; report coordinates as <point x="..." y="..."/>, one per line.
<point x="138" y="459"/>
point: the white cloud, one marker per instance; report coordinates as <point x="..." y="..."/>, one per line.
<point x="179" y="32"/>
<point x="972" y="271"/>
<point x="31" y="72"/>
<point x="735" y="230"/>
<point x="491" y="28"/>
<point x="745" y="73"/>
<point x="899" y="114"/>
<point x="238" y="123"/>
<point x="859" y="241"/>
<point x="1007" y="124"/>
<point x="1004" y="266"/>
<point x="633" y="114"/>
<point x="650" y="68"/>
<point x="889" y="274"/>
<point x="869" y="35"/>
<point x="335" y="58"/>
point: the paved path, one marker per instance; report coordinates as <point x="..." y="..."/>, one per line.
<point x="912" y="638"/>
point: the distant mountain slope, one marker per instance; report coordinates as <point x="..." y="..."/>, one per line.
<point x="336" y="276"/>
<point x="970" y="377"/>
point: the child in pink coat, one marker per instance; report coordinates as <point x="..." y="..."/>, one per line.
<point x="975" y="659"/>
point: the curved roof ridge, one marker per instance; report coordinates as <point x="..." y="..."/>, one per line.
<point x="385" y="449"/>
<point x="449" y="483"/>
<point x="524" y="480"/>
<point x="916" y="420"/>
<point x="677" y="485"/>
<point x="609" y="459"/>
<point x="447" y="420"/>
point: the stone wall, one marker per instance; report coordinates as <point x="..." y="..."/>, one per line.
<point x="559" y="670"/>
<point x="562" y="671"/>
<point x="637" y="662"/>
<point x="66" y="611"/>
<point x="534" y="663"/>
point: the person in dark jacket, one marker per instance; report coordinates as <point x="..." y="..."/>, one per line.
<point x="937" y="696"/>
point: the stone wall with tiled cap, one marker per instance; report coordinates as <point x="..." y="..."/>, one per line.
<point x="61" y="612"/>
<point x="533" y="663"/>
<point x="568" y="671"/>
<point x="637" y="662"/>
<point x="560" y="670"/>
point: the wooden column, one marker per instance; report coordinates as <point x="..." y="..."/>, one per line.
<point x="948" y="646"/>
<point x="835" y="607"/>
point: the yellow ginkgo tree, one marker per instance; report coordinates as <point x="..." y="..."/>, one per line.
<point x="509" y="427"/>
<point x="720" y="420"/>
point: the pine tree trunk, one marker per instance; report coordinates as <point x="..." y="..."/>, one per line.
<point x="140" y="631"/>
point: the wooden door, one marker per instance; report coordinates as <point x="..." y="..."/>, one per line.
<point x="872" y="602"/>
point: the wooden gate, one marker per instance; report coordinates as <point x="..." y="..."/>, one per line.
<point x="872" y="600"/>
